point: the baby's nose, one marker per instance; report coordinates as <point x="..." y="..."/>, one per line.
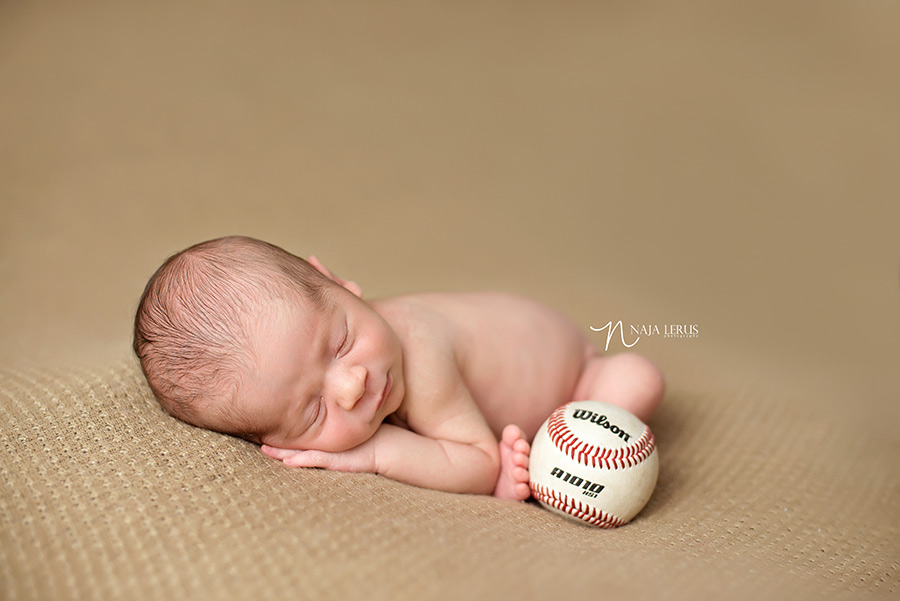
<point x="351" y="387"/>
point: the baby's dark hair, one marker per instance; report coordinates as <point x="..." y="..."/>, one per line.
<point x="191" y="330"/>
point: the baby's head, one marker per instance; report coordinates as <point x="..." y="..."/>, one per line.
<point x="195" y="321"/>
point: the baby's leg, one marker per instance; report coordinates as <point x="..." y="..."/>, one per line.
<point x="626" y="379"/>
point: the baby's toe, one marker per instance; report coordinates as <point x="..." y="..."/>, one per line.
<point x="522" y="491"/>
<point x="520" y="459"/>
<point x="522" y="446"/>
<point x="520" y="474"/>
<point x="511" y="434"/>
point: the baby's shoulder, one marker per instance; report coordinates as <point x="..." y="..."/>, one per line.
<point x="462" y="311"/>
<point x="420" y="318"/>
<point x="448" y="314"/>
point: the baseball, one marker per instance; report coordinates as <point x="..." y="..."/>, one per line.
<point x="594" y="462"/>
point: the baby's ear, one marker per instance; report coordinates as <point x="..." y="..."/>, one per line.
<point x="351" y="286"/>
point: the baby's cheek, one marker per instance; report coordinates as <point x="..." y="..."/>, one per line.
<point x="346" y="437"/>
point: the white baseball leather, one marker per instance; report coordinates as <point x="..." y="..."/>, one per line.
<point x="594" y="462"/>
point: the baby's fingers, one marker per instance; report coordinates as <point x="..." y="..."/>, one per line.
<point x="312" y="459"/>
<point x="277" y="453"/>
<point x="297" y="458"/>
<point x="353" y="460"/>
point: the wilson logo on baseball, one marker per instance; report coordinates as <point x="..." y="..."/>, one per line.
<point x="602" y="421"/>
<point x="586" y="443"/>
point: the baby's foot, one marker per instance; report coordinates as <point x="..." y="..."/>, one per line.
<point x="513" y="480"/>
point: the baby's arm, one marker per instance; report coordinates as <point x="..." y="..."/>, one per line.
<point x="412" y="458"/>
<point x="448" y="446"/>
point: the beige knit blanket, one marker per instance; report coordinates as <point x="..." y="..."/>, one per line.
<point x="728" y="168"/>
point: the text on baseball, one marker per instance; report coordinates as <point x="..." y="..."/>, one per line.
<point x="591" y="489"/>
<point x="603" y="421"/>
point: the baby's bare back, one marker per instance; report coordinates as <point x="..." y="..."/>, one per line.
<point x="519" y="359"/>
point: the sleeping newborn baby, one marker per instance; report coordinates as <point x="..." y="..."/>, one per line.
<point x="442" y="391"/>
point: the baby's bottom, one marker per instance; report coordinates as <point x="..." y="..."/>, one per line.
<point x="627" y="380"/>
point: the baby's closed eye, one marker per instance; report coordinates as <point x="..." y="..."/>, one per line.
<point x="340" y="342"/>
<point x="346" y="343"/>
<point x="315" y="411"/>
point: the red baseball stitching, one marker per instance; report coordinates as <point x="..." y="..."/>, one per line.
<point x="582" y="451"/>
<point x="576" y="509"/>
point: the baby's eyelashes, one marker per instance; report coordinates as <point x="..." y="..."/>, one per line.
<point x="320" y="409"/>
<point x="314" y="410"/>
<point x="345" y="344"/>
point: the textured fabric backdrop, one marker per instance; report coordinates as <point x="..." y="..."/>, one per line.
<point x="720" y="165"/>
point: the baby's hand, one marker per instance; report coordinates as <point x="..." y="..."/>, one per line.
<point x="357" y="459"/>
